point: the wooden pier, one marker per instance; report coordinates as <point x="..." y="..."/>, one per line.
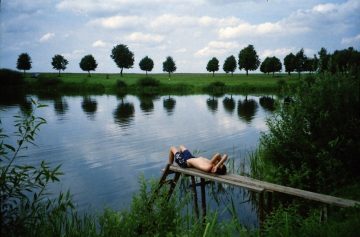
<point x="257" y="186"/>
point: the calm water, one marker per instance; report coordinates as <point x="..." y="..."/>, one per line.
<point x="105" y="143"/>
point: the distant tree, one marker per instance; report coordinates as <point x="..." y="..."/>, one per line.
<point x="169" y="65"/>
<point x="146" y="64"/>
<point x="290" y="63"/>
<point x="213" y="65"/>
<point x="230" y="65"/>
<point x="344" y="61"/>
<point x="271" y="64"/>
<point x="264" y="67"/>
<point x="248" y="59"/>
<point x="59" y="62"/>
<point x="88" y="63"/>
<point x="311" y="64"/>
<point x="24" y="62"/>
<point x="300" y="60"/>
<point x="275" y="65"/>
<point x="324" y="58"/>
<point x="123" y="57"/>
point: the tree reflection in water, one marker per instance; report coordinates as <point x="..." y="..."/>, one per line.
<point x="267" y="103"/>
<point x="15" y="97"/>
<point x="212" y="104"/>
<point x="169" y="105"/>
<point x="229" y="104"/>
<point x="247" y="109"/>
<point x="89" y="106"/>
<point x="124" y="114"/>
<point x="61" y="106"/>
<point x="147" y="103"/>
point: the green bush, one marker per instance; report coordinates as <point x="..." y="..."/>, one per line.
<point x="23" y="188"/>
<point x="48" y="81"/>
<point x="148" y="82"/>
<point x="287" y="222"/>
<point x="217" y="84"/>
<point x="314" y="142"/>
<point x="216" y="87"/>
<point x="120" y="84"/>
<point x="10" y="77"/>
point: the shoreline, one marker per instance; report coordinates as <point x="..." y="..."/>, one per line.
<point x="182" y="83"/>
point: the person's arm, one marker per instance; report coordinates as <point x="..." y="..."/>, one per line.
<point x="221" y="162"/>
<point x="215" y="159"/>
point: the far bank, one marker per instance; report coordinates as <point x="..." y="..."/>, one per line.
<point x="179" y="83"/>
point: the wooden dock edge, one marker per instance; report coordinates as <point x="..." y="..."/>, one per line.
<point x="261" y="186"/>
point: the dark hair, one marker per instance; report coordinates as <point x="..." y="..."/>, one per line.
<point x="221" y="170"/>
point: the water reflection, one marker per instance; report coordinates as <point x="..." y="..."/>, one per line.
<point x="247" y="109"/>
<point x="95" y="154"/>
<point x="268" y="103"/>
<point x="169" y="105"/>
<point x="61" y="106"/>
<point x="212" y="104"/>
<point x="147" y="103"/>
<point x="229" y="104"/>
<point x="124" y="113"/>
<point x="12" y="98"/>
<point x="89" y="106"/>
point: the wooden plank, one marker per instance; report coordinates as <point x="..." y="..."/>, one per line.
<point x="341" y="202"/>
<point x="259" y="186"/>
<point x="214" y="177"/>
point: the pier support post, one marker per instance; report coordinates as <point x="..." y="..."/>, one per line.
<point x="196" y="207"/>
<point x="203" y="199"/>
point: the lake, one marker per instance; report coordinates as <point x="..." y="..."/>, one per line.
<point x="105" y="143"/>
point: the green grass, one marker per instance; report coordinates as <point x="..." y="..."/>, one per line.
<point x="184" y="82"/>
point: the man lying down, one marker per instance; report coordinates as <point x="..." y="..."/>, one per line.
<point x="185" y="159"/>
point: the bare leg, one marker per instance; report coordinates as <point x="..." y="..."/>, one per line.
<point x="182" y="148"/>
<point x="172" y="152"/>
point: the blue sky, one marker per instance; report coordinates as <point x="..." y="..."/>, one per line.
<point x="191" y="31"/>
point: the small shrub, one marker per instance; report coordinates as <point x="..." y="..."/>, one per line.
<point x="10" y="77"/>
<point x="215" y="88"/>
<point x="281" y="83"/>
<point x="148" y="82"/>
<point x="217" y="84"/>
<point x="120" y="84"/>
<point x="48" y="81"/>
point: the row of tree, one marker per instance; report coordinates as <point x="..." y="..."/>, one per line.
<point x="340" y="61"/>
<point x="121" y="55"/>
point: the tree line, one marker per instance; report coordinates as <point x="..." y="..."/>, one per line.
<point x="340" y="61"/>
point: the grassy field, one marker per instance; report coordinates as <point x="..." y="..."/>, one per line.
<point x="185" y="82"/>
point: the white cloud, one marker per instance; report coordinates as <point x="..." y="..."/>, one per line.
<point x="118" y="5"/>
<point x="268" y="28"/>
<point x="99" y="44"/>
<point x="75" y="54"/>
<point x="324" y="8"/>
<point x="139" y="37"/>
<point x="351" y="40"/>
<point x="116" y="22"/>
<point x="217" y="48"/>
<point x="211" y="21"/>
<point x="181" y="50"/>
<point x="171" y="21"/>
<point x="47" y="37"/>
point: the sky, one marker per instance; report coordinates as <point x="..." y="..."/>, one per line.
<point x="191" y="31"/>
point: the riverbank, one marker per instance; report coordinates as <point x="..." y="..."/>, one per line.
<point x="183" y="83"/>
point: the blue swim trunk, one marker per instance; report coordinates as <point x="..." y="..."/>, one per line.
<point x="182" y="157"/>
